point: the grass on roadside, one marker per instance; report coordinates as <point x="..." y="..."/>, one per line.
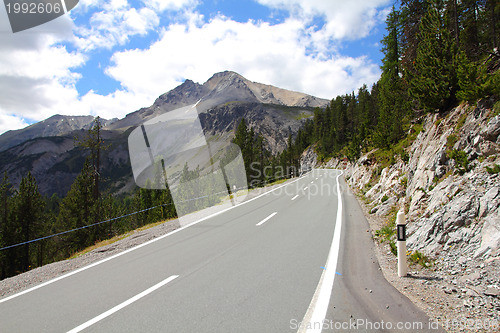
<point x="418" y="258"/>
<point x="117" y="238"/>
<point x="388" y="231"/>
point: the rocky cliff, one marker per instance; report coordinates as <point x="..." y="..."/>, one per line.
<point x="446" y="175"/>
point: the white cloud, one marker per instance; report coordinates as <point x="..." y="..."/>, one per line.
<point x="115" y="24"/>
<point x="36" y="77"/>
<point x="114" y="105"/>
<point x="274" y="54"/>
<point x="11" y="122"/>
<point x="163" y="5"/>
<point x="349" y="20"/>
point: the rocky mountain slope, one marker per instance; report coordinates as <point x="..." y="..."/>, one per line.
<point x="221" y="88"/>
<point x="47" y="148"/>
<point x="451" y="203"/>
<point x="56" y="125"/>
<point x="446" y="176"/>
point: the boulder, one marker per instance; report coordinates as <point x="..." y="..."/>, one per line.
<point x="492" y="291"/>
<point x="490" y="201"/>
<point x="492" y="130"/>
<point x="490" y="236"/>
<point x="385" y="207"/>
<point x="462" y="209"/>
<point x="440" y="171"/>
<point x="488" y="148"/>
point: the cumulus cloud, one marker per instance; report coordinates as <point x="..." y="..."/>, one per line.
<point x="348" y="20"/>
<point x="275" y="54"/>
<point x="163" y="5"/>
<point x="38" y="72"/>
<point x="11" y="122"/>
<point x="114" y="25"/>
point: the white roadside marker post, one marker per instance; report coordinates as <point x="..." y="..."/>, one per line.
<point x="401" y="233"/>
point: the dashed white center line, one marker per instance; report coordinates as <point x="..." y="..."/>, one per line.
<point x="266" y="219"/>
<point x="122" y="305"/>
<point x="295" y="197"/>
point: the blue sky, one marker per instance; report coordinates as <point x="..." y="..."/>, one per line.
<point x="110" y="58"/>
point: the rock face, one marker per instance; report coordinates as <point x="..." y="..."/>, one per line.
<point x="451" y="207"/>
<point x="308" y="160"/>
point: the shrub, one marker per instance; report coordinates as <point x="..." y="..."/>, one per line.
<point x="393" y="247"/>
<point x="461" y="122"/>
<point x="461" y="160"/>
<point x="494" y="170"/>
<point x="419" y="258"/>
<point x="386" y="232"/>
<point x="405" y="156"/>
<point x="450" y="141"/>
<point x="404" y="182"/>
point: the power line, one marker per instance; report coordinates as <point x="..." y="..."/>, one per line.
<point x="134" y="213"/>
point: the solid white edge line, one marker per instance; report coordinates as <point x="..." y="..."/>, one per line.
<point x="266" y="219"/>
<point x="295" y="197"/>
<point x="316" y="312"/>
<point x="81" y="269"/>
<point x="122" y="305"/>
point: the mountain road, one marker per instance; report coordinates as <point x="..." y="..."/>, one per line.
<point x="298" y="258"/>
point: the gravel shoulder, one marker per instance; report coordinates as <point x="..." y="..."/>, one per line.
<point x="460" y="293"/>
<point x="48" y="272"/>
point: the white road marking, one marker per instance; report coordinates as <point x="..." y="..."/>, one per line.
<point x="140" y="245"/>
<point x="266" y="219"/>
<point x="316" y="312"/>
<point x="122" y="305"/>
<point x="295" y="197"/>
<point x="305" y="188"/>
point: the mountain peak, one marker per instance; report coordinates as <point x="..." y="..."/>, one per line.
<point x="226" y="74"/>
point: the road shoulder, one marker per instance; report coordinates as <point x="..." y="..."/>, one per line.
<point x="422" y="286"/>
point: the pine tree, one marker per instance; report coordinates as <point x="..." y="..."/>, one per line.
<point x="470" y="22"/>
<point x="392" y="93"/>
<point x="146" y="199"/>
<point x="28" y="212"/>
<point x="93" y="141"/>
<point x="6" y="235"/>
<point x="241" y="139"/>
<point x="412" y="12"/>
<point x="434" y="84"/>
<point x="77" y="210"/>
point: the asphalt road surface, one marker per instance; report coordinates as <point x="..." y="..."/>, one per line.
<point x="267" y="265"/>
